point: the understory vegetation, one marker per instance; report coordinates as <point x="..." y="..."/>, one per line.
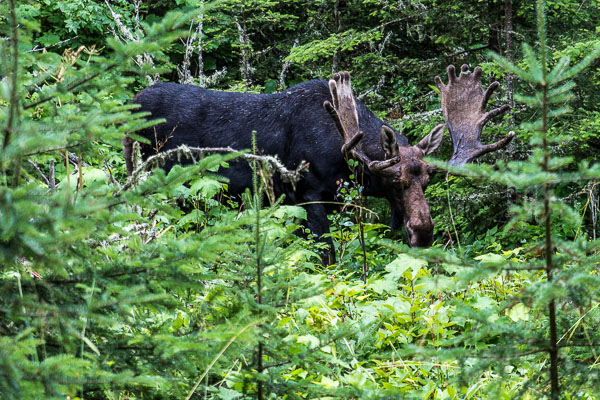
<point x="165" y="287"/>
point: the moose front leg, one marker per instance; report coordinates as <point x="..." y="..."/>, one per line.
<point x="397" y="219"/>
<point x="317" y="223"/>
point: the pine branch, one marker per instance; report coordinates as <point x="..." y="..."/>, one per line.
<point x="72" y="86"/>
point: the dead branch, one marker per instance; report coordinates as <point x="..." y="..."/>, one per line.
<point x="286" y="65"/>
<point x="273" y="162"/>
<point x="127" y="36"/>
<point x="37" y="168"/>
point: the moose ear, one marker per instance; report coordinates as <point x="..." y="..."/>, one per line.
<point x="389" y="142"/>
<point x="432" y="141"/>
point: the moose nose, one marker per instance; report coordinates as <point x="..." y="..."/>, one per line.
<point x="420" y="235"/>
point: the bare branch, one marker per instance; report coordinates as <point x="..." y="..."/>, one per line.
<point x="37" y="168"/>
<point x="291" y="176"/>
<point x="36" y="48"/>
<point x="127" y="36"/>
<point x="286" y="65"/>
<point x="185" y="76"/>
<point x="108" y="172"/>
<point x="244" y="44"/>
<point x="52" y="182"/>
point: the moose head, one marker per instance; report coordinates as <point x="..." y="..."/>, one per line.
<point x="404" y="173"/>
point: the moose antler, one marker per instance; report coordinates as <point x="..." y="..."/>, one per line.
<point x="345" y="115"/>
<point x="463" y="104"/>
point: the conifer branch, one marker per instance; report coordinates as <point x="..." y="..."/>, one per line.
<point x="216" y="358"/>
<point x="72" y="86"/>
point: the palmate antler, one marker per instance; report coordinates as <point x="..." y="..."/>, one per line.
<point x="463" y="104"/>
<point x="345" y="115"/>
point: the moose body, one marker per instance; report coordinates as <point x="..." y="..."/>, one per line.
<point x="292" y="125"/>
<point x="301" y="124"/>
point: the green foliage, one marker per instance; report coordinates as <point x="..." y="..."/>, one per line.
<point x="170" y="288"/>
<point x="566" y="259"/>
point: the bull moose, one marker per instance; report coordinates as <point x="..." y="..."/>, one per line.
<point x="322" y="123"/>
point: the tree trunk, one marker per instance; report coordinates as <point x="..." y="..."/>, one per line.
<point x="244" y="44"/>
<point x="338" y="26"/>
<point x="494" y="26"/>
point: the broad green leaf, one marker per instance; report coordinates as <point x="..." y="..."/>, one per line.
<point x="310" y="341"/>
<point x="284" y="212"/>
<point x="383" y="285"/>
<point x="397" y="268"/>
<point x="518" y="312"/>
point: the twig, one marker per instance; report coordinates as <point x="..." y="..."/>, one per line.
<point x="108" y="172"/>
<point x="467" y="51"/>
<point x="152" y="233"/>
<point x="523" y="268"/>
<point x="292" y="176"/>
<point x="37" y="168"/>
<point x="244" y="45"/>
<point x="185" y="76"/>
<point x="73" y="159"/>
<point x="52" y="182"/>
<point x="216" y="358"/>
<point x="51" y="149"/>
<point x="36" y="49"/>
<point x="200" y="56"/>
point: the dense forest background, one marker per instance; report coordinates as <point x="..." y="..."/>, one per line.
<point x="163" y="286"/>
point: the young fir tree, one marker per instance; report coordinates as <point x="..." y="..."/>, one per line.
<point x="90" y="288"/>
<point x="548" y="327"/>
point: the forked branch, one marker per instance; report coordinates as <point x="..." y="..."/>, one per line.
<point x="463" y="104"/>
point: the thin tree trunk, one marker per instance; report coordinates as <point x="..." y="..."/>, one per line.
<point x="285" y="67"/>
<point x="185" y="75"/>
<point x="549" y="247"/>
<point x="13" y="109"/>
<point x="244" y="42"/>
<point x="13" y="78"/>
<point x="494" y="26"/>
<point x="127" y="36"/>
<point x="594" y="208"/>
<point x="338" y="26"/>
<point x="52" y="179"/>
<point x="257" y="207"/>
<point x="200" y="57"/>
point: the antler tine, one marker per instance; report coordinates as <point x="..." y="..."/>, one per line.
<point x="345" y="115"/>
<point x="463" y="104"/>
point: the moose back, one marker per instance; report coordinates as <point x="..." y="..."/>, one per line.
<point x="302" y="124"/>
